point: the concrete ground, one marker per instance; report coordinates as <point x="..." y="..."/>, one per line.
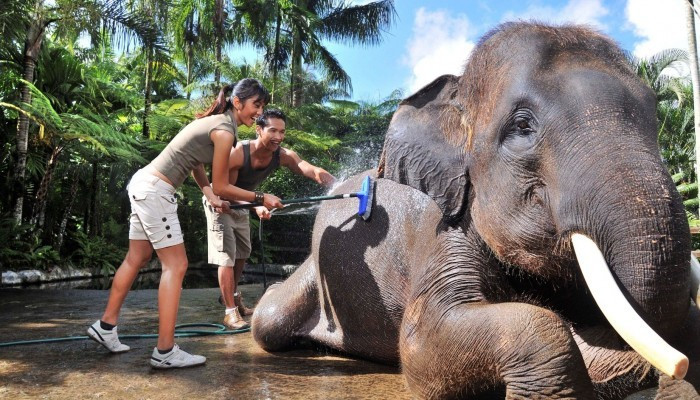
<point x="236" y="367"/>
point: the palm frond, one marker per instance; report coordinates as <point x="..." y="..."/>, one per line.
<point x="334" y="72"/>
<point x="359" y="24"/>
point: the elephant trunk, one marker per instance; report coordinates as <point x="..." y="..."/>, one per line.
<point x="644" y="243"/>
<point x="620" y="314"/>
<point x="644" y="237"/>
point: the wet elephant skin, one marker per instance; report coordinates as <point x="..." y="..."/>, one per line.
<point x="465" y="276"/>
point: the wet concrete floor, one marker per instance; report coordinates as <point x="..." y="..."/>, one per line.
<point x="236" y="367"/>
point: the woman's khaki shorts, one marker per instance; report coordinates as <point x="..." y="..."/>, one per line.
<point x="153" y="211"/>
<point x="228" y="235"/>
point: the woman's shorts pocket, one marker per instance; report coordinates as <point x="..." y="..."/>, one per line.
<point x="168" y="203"/>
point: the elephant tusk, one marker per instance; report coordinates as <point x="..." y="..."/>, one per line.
<point x="618" y="311"/>
<point x="694" y="280"/>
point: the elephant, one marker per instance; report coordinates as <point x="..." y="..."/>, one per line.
<point x="471" y="273"/>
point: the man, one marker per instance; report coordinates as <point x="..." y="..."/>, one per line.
<point x="228" y="235"/>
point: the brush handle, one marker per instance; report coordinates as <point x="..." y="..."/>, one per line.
<point x="299" y="200"/>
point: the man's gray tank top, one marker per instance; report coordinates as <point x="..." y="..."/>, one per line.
<point x="249" y="178"/>
<point x="192" y="146"/>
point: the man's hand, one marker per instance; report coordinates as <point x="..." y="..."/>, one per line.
<point x="263" y="213"/>
<point x="271" y="201"/>
<point x="324" y="178"/>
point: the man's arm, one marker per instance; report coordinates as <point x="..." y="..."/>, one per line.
<point x="291" y="160"/>
<point x="223" y="142"/>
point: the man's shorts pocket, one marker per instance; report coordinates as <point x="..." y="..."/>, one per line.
<point x="218" y="232"/>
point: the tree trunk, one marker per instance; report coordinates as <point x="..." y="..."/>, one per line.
<point x="93" y="201"/>
<point x="218" y="39"/>
<point x="189" y="53"/>
<point x="189" y="73"/>
<point x="147" y="94"/>
<point x="275" y="59"/>
<point x="296" y="70"/>
<point x="695" y="76"/>
<point x="42" y="194"/>
<point x="68" y="210"/>
<point x="32" y="45"/>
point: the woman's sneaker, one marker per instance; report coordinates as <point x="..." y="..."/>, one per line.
<point x="175" y="358"/>
<point x="109" y="339"/>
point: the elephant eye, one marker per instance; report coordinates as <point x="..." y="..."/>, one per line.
<point x="523" y="126"/>
<point x="519" y="133"/>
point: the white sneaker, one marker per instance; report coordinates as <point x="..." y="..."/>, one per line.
<point x="175" y="358"/>
<point x="109" y="339"/>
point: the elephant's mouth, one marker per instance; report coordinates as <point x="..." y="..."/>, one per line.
<point x="623" y="318"/>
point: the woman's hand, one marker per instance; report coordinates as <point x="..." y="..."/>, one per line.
<point x="220" y="206"/>
<point x="263" y="213"/>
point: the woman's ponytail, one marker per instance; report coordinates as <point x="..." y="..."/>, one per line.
<point x="221" y="104"/>
<point x="244" y="89"/>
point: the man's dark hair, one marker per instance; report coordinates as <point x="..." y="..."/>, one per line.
<point x="263" y="120"/>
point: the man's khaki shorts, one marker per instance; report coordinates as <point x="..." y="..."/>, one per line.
<point x="228" y="235"/>
<point x="153" y="211"/>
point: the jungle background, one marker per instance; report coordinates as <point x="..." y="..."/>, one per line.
<point x="92" y="90"/>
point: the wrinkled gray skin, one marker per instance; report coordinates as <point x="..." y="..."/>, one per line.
<point x="464" y="274"/>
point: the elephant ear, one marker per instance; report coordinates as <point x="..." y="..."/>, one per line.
<point x="417" y="154"/>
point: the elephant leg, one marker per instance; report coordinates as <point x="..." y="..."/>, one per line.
<point x="473" y="349"/>
<point x="615" y="370"/>
<point x="285" y="313"/>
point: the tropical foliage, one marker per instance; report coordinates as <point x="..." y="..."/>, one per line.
<point x="663" y="73"/>
<point x="91" y="90"/>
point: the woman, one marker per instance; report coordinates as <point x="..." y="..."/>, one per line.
<point x="154" y="223"/>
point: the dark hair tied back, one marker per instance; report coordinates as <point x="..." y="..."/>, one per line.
<point x="250" y="88"/>
<point x="244" y="89"/>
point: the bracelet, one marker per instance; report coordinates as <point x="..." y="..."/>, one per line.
<point x="259" y="196"/>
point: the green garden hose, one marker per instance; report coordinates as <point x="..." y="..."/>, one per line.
<point x="178" y="333"/>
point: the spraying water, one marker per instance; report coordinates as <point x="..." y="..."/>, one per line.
<point x="362" y="157"/>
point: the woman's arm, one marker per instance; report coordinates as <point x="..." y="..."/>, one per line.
<point x="291" y="160"/>
<point x="200" y="176"/>
<point x="223" y="142"/>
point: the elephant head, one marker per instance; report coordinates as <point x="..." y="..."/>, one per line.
<point x="546" y="134"/>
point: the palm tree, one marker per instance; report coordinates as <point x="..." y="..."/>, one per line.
<point x="294" y="32"/>
<point x="654" y="72"/>
<point x="695" y="75"/>
<point x="157" y="13"/>
<point x="189" y="34"/>
<point x="311" y="21"/>
<point x="90" y="15"/>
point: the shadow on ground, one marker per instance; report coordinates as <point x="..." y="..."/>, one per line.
<point x="236" y="367"/>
